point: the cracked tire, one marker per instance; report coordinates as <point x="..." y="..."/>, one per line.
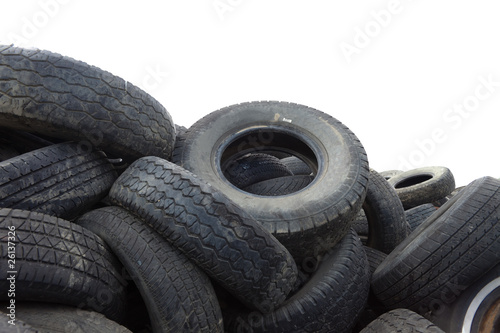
<point x="330" y="301"/>
<point x="60" y="262"/>
<point x="334" y="154"/>
<point x="49" y="94"/>
<point x="449" y="251"/>
<point x="220" y="237"/>
<point x="178" y="295"/>
<point x="60" y="180"/>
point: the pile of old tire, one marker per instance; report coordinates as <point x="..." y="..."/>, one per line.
<point x="260" y="217"/>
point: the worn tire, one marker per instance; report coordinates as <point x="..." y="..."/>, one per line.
<point x="454" y="247"/>
<point x="178" y="295"/>
<point x="388" y="174"/>
<point x="387" y="226"/>
<point x="46" y="93"/>
<point x="60" y="180"/>
<point x="423" y="185"/>
<point x="401" y="321"/>
<point x="280" y="186"/>
<point x="330" y="301"/>
<point x="296" y="166"/>
<point x="56" y="318"/>
<point x="59" y="262"/>
<point x="476" y="310"/>
<point x="417" y="215"/>
<point x="331" y="150"/>
<point x="248" y="170"/>
<point x="220" y="237"/>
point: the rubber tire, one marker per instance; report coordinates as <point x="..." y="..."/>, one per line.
<point x="296" y="166"/>
<point x="60" y="262"/>
<point x="280" y="186"/>
<point x="220" y="237"/>
<point x="401" y="321"/>
<point x="45" y="93"/>
<point x="330" y="301"/>
<point x="483" y="295"/>
<point x="178" y="295"/>
<point x="59" y="180"/>
<point x="250" y="169"/>
<point x="388" y="174"/>
<point x="331" y="201"/>
<point x="56" y="318"/>
<point x="417" y="215"/>
<point x="423" y="185"/>
<point x="447" y="253"/>
<point x="387" y="226"/>
<point x="19" y="327"/>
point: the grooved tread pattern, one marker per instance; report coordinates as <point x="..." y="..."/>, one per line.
<point x="59" y="261"/>
<point x="330" y="301"/>
<point x="296" y="166"/>
<point x="326" y="217"/>
<point x="401" y="321"/>
<point x="60" y="180"/>
<point x="50" y="94"/>
<point x="254" y="168"/>
<point x="179" y="296"/>
<point x="229" y="245"/>
<point x="280" y="186"/>
<point x="446" y="254"/>
<point x="417" y="215"/>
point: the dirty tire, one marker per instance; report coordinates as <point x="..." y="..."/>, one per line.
<point x="280" y="186"/>
<point x="60" y="262"/>
<point x="423" y="185"/>
<point x="449" y="251"/>
<point x="296" y="166"/>
<point x="220" y="237"/>
<point x="417" y="215"/>
<point x="248" y="170"/>
<point x="59" y="180"/>
<point x="178" y="295"/>
<point x="331" y="150"/>
<point x="384" y="212"/>
<point x="388" y="174"/>
<point x="328" y="302"/>
<point x="55" y="318"/>
<point x="476" y="310"/>
<point x="20" y="326"/>
<point x="375" y="258"/>
<point x="403" y="321"/>
<point x="49" y="94"/>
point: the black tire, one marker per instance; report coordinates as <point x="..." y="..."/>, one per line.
<point x="250" y="169"/>
<point x="178" y="295"/>
<point x="447" y="253"/>
<point x="331" y="150"/>
<point x="7" y="152"/>
<point x="296" y="166"/>
<point x="388" y="174"/>
<point x="229" y="245"/>
<point x="55" y="318"/>
<point x="46" y="93"/>
<point x="387" y="226"/>
<point x="401" y="321"/>
<point x="360" y="225"/>
<point x="375" y="258"/>
<point x="280" y="186"/>
<point x="60" y="180"/>
<point x="59" y="262"/>
<point x="423" y="185"/>
<point x="417" y="215"/>
<point x="477" y="310"/>
<point x="330" y="301"/>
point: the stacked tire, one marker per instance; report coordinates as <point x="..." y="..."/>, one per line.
<point x="260" y="217"/>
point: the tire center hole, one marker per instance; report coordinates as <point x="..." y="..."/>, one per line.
<point x="411" y="181"/>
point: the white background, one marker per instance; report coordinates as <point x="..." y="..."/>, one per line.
<point x="395" y="72"/>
